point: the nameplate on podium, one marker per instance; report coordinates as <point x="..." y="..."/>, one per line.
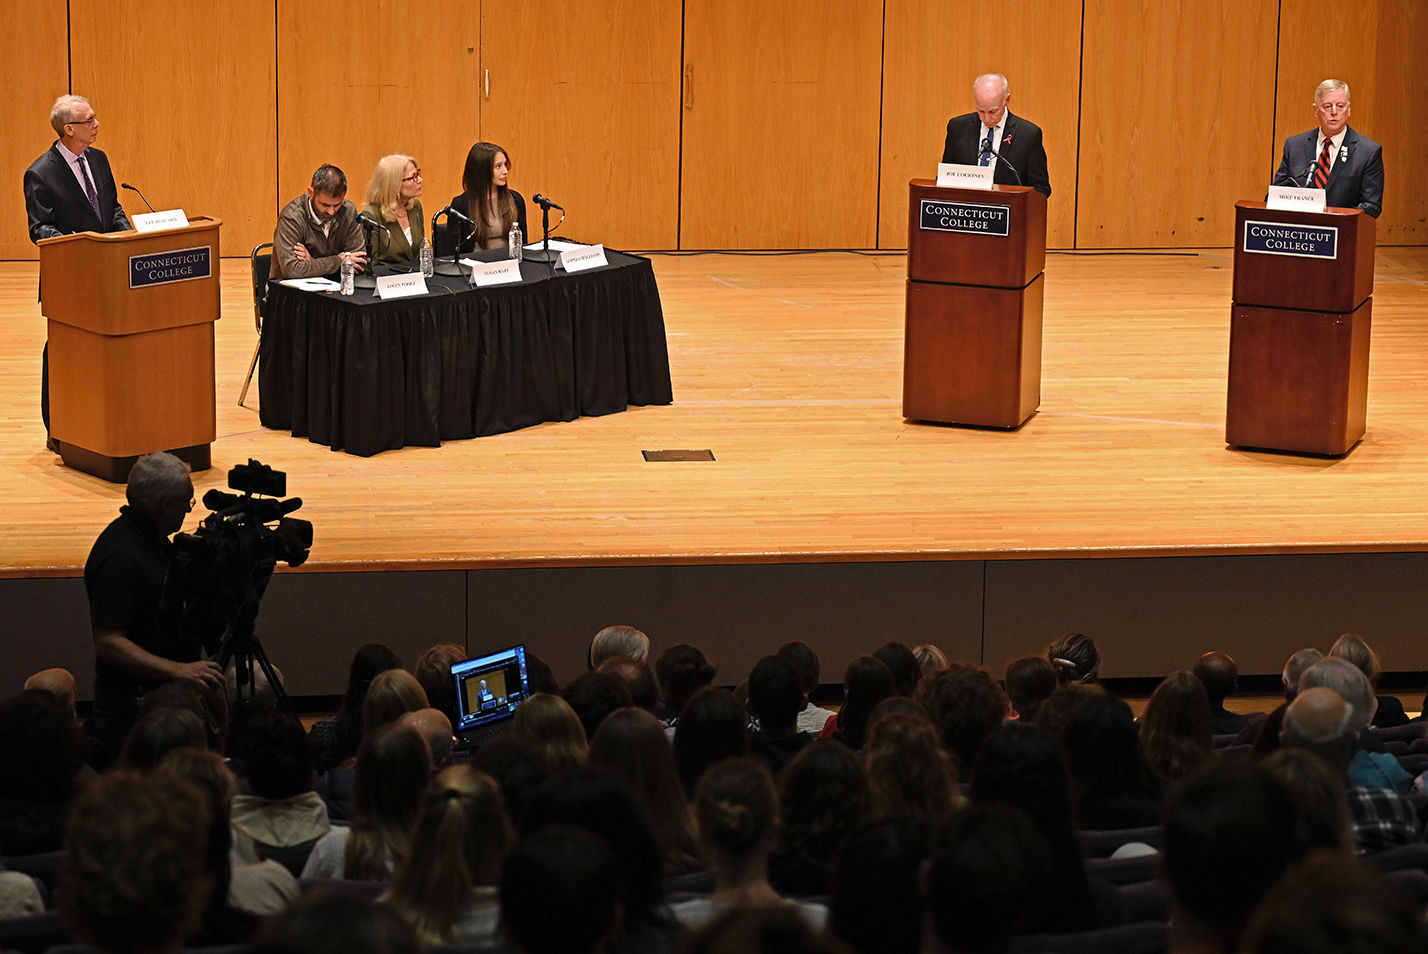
<point x="157" y="221"/>
<point x="163" y="268"/>
<point x="1288" y="238"/>
<point x="1288" y="199"/>
<point x="956" y="176"/>
<point x="976" y="217"/>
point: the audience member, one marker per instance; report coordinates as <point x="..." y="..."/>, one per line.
<point x="595" y="695"/>
<point x="776" y="697"/>
<point x="637" y="679"/>
<point x="433" y="671"/>
<point x="905" y="669"/>
<point x="1075" y="658"/>
<point x="446" y="887"/>
<point x="435" y="730"/>
<point x="560" y="892"/>
<point x="1220" y="676"/>
<point x="711" y="729"/>
<point x="1056" y="711"/>
<point x="283" y="811"/>
<point x="987" y="876"/>
<point x="1029" y="681"/>
<point x="1231" y="832"/>
<point x="1175" y="731"/>
<point x="336" y="922"/>
<point x="1262" y="731"/>
<point x="1112" y="785"/>
<point x="550" y="723"/>
<point x="41" y="758"/>
<point x="59" y="683"/>
<point x="1352" y="648"/>
<point x="159" y="733"/>
<point x="1324" y="820"/>
<point x="392" y="770"/>
<point x="1371" y="768"/>
<point x="761" y="930"/>
<point x="965" y="704"/>
<point x="823" y="795"/>
<point x="909" y="774"/>
<point x="519" y="767"/>
<point x="1337" y="906"/>
<point x="682" y="671"/>
<point x="1319" y="720"/>
<point x="866" y="682"/>
<point x="133" y="881"/>
<point x="210" y="706"/>
<point x="393" y="694"/>
<point x="813" y="718"/>
<point x="335" y="740"/>
<point x="631" y="744"/>
<point x="738" y="818"/>
<point x="929" y="658"/>
<point x="541" y="677"/>
<point x="876" y="907"/>
<point x="615" y="641"/>
<point x="1021" y="767"/>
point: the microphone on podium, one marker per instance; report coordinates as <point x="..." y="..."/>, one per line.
<point x="141" y="195"/>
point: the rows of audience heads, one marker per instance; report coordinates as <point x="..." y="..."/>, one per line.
<point x="646" y="807"/>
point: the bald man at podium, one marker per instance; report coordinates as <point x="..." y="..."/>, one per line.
<point x="992" y="136"/>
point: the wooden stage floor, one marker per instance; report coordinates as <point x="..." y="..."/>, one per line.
<point x="789" y="369"/>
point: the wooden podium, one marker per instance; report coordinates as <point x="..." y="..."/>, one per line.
<point x="1299" y="329"/>
<point x="130" y="321"/>
<point x="972" y="349"/>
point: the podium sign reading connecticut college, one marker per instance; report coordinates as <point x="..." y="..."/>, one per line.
<point x="974" y="217"/>
<point x="1287" y="238"/>
<point x="182" y="265"/>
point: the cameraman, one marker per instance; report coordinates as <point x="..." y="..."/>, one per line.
<point x="137" y="646"/>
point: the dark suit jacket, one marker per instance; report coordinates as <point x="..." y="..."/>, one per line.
<point x="58" y="206"/>
<point x="1021" y="146"/>
<point x="1355" y="181"/>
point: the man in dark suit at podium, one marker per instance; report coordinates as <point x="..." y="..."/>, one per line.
<point x="70" y="189"/>
<point x="1015" y="140"/>
<point x="1334" y="157"/>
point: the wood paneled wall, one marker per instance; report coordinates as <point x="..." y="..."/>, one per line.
<point x="716" y="123"/>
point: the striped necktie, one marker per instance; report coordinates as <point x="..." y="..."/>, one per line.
<point x="1321" y="170"/>
<point x="89" y="189"/>
<point x="986" y="157"/>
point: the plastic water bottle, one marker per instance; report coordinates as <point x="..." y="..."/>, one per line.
<point x="427" y="268"/>
<point x="349" y="276"/>
<point x="515" y="243"/>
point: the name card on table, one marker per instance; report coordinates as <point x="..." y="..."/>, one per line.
<point x="495" y="273"/>
<point x="579" y="259"/>
<point x="401" y="286"/>
<point x="964" y="177"/>
<point x="1285" y="238"/>
<point x="154" y="221"/>
<point x="975" y="217"/>
<point x="1287" y="199"/>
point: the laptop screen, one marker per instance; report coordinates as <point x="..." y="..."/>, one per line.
<point x="489" y="688"/>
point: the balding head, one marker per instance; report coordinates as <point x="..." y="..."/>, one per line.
<point x="1321" y="721"/>
<point x="1219" y="675"/>
<point x="435" y="728"/>
<point x="58" y="683"/>
<point x="1344" y="678"/>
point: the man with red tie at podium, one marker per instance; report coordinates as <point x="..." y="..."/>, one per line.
<point x="994" y="137"/>
<point x="70" y="189"/>
<point x="1334" y="157"/>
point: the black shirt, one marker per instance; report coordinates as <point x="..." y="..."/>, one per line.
<point x="124" y="579"/>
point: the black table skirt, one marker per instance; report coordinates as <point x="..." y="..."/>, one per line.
<point x="363" y="375"/>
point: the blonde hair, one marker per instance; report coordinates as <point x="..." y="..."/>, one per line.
<point x="459" y="844"/>
<point x="63" y="111"/>
<point x="929" y="658"/>
<point x="385" y="186"/>
<point x="549" y="722"/>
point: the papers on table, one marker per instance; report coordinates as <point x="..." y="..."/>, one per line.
<point x="556" y="245"/>
<point x="312" y="284"/>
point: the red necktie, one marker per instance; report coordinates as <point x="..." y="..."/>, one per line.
<point x="1321" y="170"/>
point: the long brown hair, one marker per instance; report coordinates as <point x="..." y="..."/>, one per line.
<point x="1175" y="732"/>
<point x="548" y="721"/>
<point x="477" y="180"/>
<point x="393" y="767"/>
<point x="460" y="841"/>
<point x="909" y="773"/>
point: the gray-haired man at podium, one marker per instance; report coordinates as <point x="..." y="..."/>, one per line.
<point x="318" y="229"/>
<point x="70" y="189"/>
<point x="1334" y="157"/>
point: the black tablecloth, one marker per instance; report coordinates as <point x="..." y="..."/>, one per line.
<point x="364" y="375"/>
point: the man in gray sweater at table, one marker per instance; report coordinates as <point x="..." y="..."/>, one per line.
<point x="318" y="230"/>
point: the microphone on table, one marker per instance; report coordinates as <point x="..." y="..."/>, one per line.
<point x="372" y="223"/>
<point x="455" y="213"/>
<point x="141" y="195"/>
<point x="545" y="203"/>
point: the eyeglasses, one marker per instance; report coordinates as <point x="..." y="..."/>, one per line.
<point x="91" y="121"/>
<point x="413" y="177"/>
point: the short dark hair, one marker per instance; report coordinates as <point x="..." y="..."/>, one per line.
<point x="987" y="874"/>
<point x="278" y="757"/>
<point x="1337" y="905"/>
<point x="965" y="704"/>
<point x="775" y="692"/>
<point x="329" y="180"/>
<point x="905" y="669"/>
<point x="595" y="695"/>
<point x="637" y="679"/>
<point x="566" y="870"/>
<point x="683" y="671"/>
<point x="804" y="659"/>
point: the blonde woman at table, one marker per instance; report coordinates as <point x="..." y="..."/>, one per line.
<point x="393" y="199"/>
<point x="488" y="200"/>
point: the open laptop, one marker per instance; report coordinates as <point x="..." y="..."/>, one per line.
<point x="488" y="690"/>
